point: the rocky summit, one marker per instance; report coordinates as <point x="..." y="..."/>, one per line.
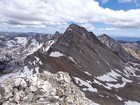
<point x="42" y="89"/>
<point x="74" y="68"/>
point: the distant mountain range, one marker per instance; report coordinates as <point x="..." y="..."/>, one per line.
<point x="130" y="39"/>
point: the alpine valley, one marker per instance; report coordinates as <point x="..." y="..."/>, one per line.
<point x="73" y="68"/>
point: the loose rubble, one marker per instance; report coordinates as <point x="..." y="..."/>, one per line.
<point x="42" y="89"/>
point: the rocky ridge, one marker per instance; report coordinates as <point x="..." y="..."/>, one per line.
<point x="117" y="48"/>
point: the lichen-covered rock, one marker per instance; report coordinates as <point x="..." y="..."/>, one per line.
<point x="43" y="88"/>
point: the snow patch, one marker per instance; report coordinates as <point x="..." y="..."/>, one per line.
<point x="7" y="76"/>
<point x="37" y="59"/>
<point x="130" y="71"/>
<point x="37" y="47"/>
<point x="49" y="44"/>
<point x="126" y="80"/>
<point x="26" y="72"/>
<point x="116" y="85"/>
<point x="95" y="103"/>
<point x="74" y="61"/>
<point x="101" y="95"/>
<point x="99" y="83"/>
<point x="56" y="54"/>
<point x="119" y="98"/>
<point x="37" y="70"/>
<point x="40" y="63"/>
<point x="10" y="43"/>
<point x="21" y="40"/>
<point x="111" y="76"/>
<point x="85" y="83"/>
<point x="87" y="73"/>
<point x="132" y="103"/>
<point x="69" y="29"/>
<point x="98" y="62"/>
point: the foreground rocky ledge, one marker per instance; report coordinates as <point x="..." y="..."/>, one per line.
<point x="42" y="89"/>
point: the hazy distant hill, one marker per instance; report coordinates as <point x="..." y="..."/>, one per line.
<point x="131" y="39"/>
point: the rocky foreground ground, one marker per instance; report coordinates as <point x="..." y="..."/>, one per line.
<point x="42" y="89"/>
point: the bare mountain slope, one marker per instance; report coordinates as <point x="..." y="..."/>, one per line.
<point x="117" y="48"/>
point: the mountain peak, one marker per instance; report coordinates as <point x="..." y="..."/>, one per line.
<point x="57" y="35"/>
<point x="75" y="33"/>
<point x="105" y="35"/>
<point x="76" y="28"/>
<point x="73" y="25"/>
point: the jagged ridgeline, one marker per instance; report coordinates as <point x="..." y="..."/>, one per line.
<point x="98" y="68"/>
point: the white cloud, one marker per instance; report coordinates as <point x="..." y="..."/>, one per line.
<point x="108" y="29"/>
<point x="126" y="1"/>
<point x="112" y="29"/>
<point x="104" y="1"/>
<point x="88" y="26"/>
<point x="52" y="14"/>
<point x="136" y="2"/>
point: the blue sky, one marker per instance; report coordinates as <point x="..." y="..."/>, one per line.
<point x="116" y="5"/>
<point x="125" y="5"/>
<point x="112" y="17"/>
